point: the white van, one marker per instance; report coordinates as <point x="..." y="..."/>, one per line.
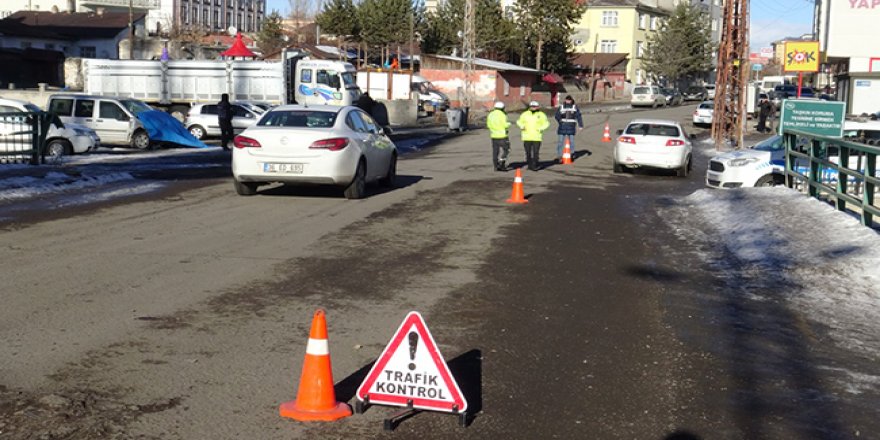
<point x="60" y="140"/>
<point x="114" y="119"/>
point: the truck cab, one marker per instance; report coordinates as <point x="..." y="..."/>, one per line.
<point x="326" y="82"/>
<point x="430" y="98"/>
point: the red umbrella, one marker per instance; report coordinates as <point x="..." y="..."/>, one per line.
<point x="238" y="49"/>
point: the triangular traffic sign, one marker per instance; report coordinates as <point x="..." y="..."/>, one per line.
<point x="411" y="372"/>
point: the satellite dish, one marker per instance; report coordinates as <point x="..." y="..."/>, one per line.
<point x="232" y="30"/>
<point x="580" y="37"/>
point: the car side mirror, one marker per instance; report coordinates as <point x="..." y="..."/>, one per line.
<point x="387" y="131"/>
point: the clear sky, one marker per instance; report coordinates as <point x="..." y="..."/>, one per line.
<point x="770" y="20"/>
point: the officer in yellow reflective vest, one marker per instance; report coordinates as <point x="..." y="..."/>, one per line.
<point x="498" y="125"/>
<point x="532" y="122"/>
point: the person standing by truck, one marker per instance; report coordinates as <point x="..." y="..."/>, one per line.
<point x="224" y="117"/>
<point x="498" y="126"/>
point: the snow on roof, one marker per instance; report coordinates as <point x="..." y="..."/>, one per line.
<point x="496" y="65"/>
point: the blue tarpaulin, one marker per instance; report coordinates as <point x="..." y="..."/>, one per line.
<point x="162" y="127"/>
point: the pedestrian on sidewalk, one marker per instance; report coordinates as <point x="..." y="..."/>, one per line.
<point x="224" y="117"/>
<point x="765" y="107"/>
<point x="532" y="122"/>
<point x="568" y="115"/>
<point x="498" y="126"/>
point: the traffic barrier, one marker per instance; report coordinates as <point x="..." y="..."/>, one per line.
<point x="606" y="136"/>
<point x="566" y="153"/>
<point x="517" y="195"/>
<point x="316" y="399"/>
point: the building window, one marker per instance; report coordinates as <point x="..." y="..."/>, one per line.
<point x="506" y="86"/>
<point x="522" y="88"/>
<point x="88" y="51"/>
<point x="217" y="24"/>
<point x="184" y="17"/>
<point x="194" y="18"/>
<point x="714" y="25"/>
<point x="640" y="49"/>
<point x="205" y="20"/>
<point x="655" y="23"/>
<point x="608" y="46"/>
<point x="228" y="19"/>
<point x="609" y="18"/>
<point x="643" y="21"/>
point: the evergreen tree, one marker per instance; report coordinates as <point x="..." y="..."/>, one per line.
<point x="494" y="33"/>
<point x="339" y="18"/>
<point x="547" y="24"/>
<point x="271" y="37"/>
<point x="682" y="47"/>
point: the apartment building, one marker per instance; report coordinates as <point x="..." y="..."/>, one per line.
<point x="162" y="15"/>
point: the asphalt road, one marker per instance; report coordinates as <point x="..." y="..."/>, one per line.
<point x="184" y="314"/>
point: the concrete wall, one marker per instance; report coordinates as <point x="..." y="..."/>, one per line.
<point x="37" y="97"/>
<point x="400" y="112"/>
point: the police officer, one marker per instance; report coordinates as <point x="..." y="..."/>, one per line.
<point x="568" y="115"/>
<point x="224" y="117"/>
<point x="532" y="122"/>
<point x="498" y="125"/>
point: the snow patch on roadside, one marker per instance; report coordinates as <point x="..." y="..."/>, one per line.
<point x="26" y="187"/>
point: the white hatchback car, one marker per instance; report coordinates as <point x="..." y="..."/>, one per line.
<point x="648" y="96"/>
<point x="653" y="143"/>
<point x="704" y="113"/>
<point x="64" y="139"/>
<point x="314" y="145"/>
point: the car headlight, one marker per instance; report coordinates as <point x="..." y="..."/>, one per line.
<point x="743" y="161"/>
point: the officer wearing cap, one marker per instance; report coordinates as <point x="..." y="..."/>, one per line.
<point x="532" y="122"/>
<point x="498" y="126"/>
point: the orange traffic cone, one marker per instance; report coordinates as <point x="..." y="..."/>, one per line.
<point x="566" y="153"/>
<point x="517" y="196"/>
<point x="606" y="136"/>
<point x="316" y="399"/>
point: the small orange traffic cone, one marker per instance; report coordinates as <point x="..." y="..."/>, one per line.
<point x="606" y="136"/>
<point x="566" y="153"/>
<point x="517" y="196"/>
<point x="316" y="399"/>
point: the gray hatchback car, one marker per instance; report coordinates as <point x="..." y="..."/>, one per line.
<point x="202" y="119"/>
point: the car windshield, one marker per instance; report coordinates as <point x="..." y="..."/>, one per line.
<point x="668" y="91"/>
<point x="770" y="144"/>
<point x="653" y="129"/>
<point x="695" y="89"/>
<point x="298" y="118"/>
<point x="135" y="106"/>
<point x="349" y="80"/>
<point x="707" y="105"/>
<point x="642" y="91"/>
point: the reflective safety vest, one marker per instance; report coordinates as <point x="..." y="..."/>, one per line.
<point x="532" y="124"/>
<point x="497" y="124"/>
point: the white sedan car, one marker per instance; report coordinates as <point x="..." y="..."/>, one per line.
<point x="704" y="113"/>
<point x="314" y="145"/>
<point x="653" y="143"/>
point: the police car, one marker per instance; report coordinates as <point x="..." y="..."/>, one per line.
<point x="761" y="165"/>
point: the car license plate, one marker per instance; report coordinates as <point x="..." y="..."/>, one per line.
<point x="289" y="168"/>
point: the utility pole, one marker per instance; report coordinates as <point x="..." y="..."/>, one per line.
<point x="469" y="48"/>
<point x="130" y="30"/>
<point x="732" y="76"/>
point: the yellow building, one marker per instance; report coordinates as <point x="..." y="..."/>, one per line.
<point x="618" y="26"/>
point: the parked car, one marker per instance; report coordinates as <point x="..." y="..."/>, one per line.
<point x="314" y="145"/>
<point x="673" y="96"/>
<point x="647" y="96"/>
<point x="114" y="119"/>
<point x="653" y="143"/>
<point x="762" y="164"/>
<point x="710" y="91"/>
<point x="695" y="93"/>
<point x="61" y="140"/>
<point x="787" y="91"/>
<point x="704" y="113"/>
<point x="202" y="122"/>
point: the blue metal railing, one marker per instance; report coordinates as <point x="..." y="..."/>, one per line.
<point x="844" y="171"/>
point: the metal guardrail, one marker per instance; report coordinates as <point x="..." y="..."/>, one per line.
<point x="850" y="181"/>
<point x="23" y="137"/>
